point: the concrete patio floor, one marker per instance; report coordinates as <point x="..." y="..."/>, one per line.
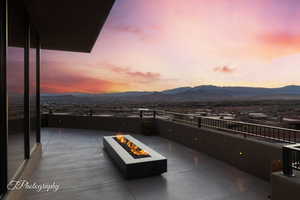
<point x="75" y="160"/>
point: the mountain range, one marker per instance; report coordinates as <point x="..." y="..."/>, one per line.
<point x="188" y="94"/>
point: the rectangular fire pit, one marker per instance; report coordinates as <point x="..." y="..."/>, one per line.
<point x="133" y="158"/>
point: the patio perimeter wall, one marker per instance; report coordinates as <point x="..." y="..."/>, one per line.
<point x="123" y="124"/>
<point x="250" y="155"/>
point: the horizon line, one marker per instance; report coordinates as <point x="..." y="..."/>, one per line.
<point x="221" y="86"/>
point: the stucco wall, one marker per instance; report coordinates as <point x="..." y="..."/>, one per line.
<point x="97" y="123"/>
<point x="247" y="154"/>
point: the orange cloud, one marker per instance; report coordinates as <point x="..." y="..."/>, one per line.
<point x="57" y="79"/>
<point x="280" y="39"/>
<point x="274" y="45"/>
<point x="224" y="69"/>
<point x="80" y="84"/>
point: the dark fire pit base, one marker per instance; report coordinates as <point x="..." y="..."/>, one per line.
<point x="134" y="167"/>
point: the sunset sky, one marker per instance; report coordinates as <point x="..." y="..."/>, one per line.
<point x="161" y="44"/>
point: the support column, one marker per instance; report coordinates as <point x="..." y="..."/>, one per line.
<point x="3" y="96"/>
<point x="26" y="89"/>
<point x="38" y="91"/>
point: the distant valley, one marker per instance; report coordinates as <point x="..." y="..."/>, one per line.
<point x="182" y="94"/>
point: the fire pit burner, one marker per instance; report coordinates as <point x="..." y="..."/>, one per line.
<point x="131" y="148"/>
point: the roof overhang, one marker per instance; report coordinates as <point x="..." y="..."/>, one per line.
<point x="69" y="25"/>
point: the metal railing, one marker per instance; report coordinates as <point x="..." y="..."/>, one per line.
<point x="291" y="159"/>
<point x="272" y="133"/>
<point x="188" y="119"/>
<point x="246" y="129"/>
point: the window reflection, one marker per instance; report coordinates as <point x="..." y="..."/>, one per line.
<point x="15" y="88"/>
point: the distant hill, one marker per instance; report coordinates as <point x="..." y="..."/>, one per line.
<point x="185" y="94"/>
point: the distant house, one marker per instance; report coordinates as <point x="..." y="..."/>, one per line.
<point x="291" y="122"/>
<point x="258" y="115"/>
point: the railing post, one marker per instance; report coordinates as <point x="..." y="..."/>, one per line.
<point x="90" y="112"/>
<point x="154" y="114"/>
<point x="141" y="114"/>
<point x="199" y="122"/>
<point x="287" y="161"/>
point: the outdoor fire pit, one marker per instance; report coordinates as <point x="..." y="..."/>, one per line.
<point x="133" y="158"/>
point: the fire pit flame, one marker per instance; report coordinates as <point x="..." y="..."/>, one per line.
<point x="133" y="148"/>
<point x="121" y="139"/>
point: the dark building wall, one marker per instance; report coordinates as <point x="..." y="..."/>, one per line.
<point x="249" y="155"/>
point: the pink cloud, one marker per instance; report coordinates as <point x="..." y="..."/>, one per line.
<point x="128" y="29"/>
<point x="146" y="33"/>
<point x="135" y="75"/>
<point x="224" y="69"/>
